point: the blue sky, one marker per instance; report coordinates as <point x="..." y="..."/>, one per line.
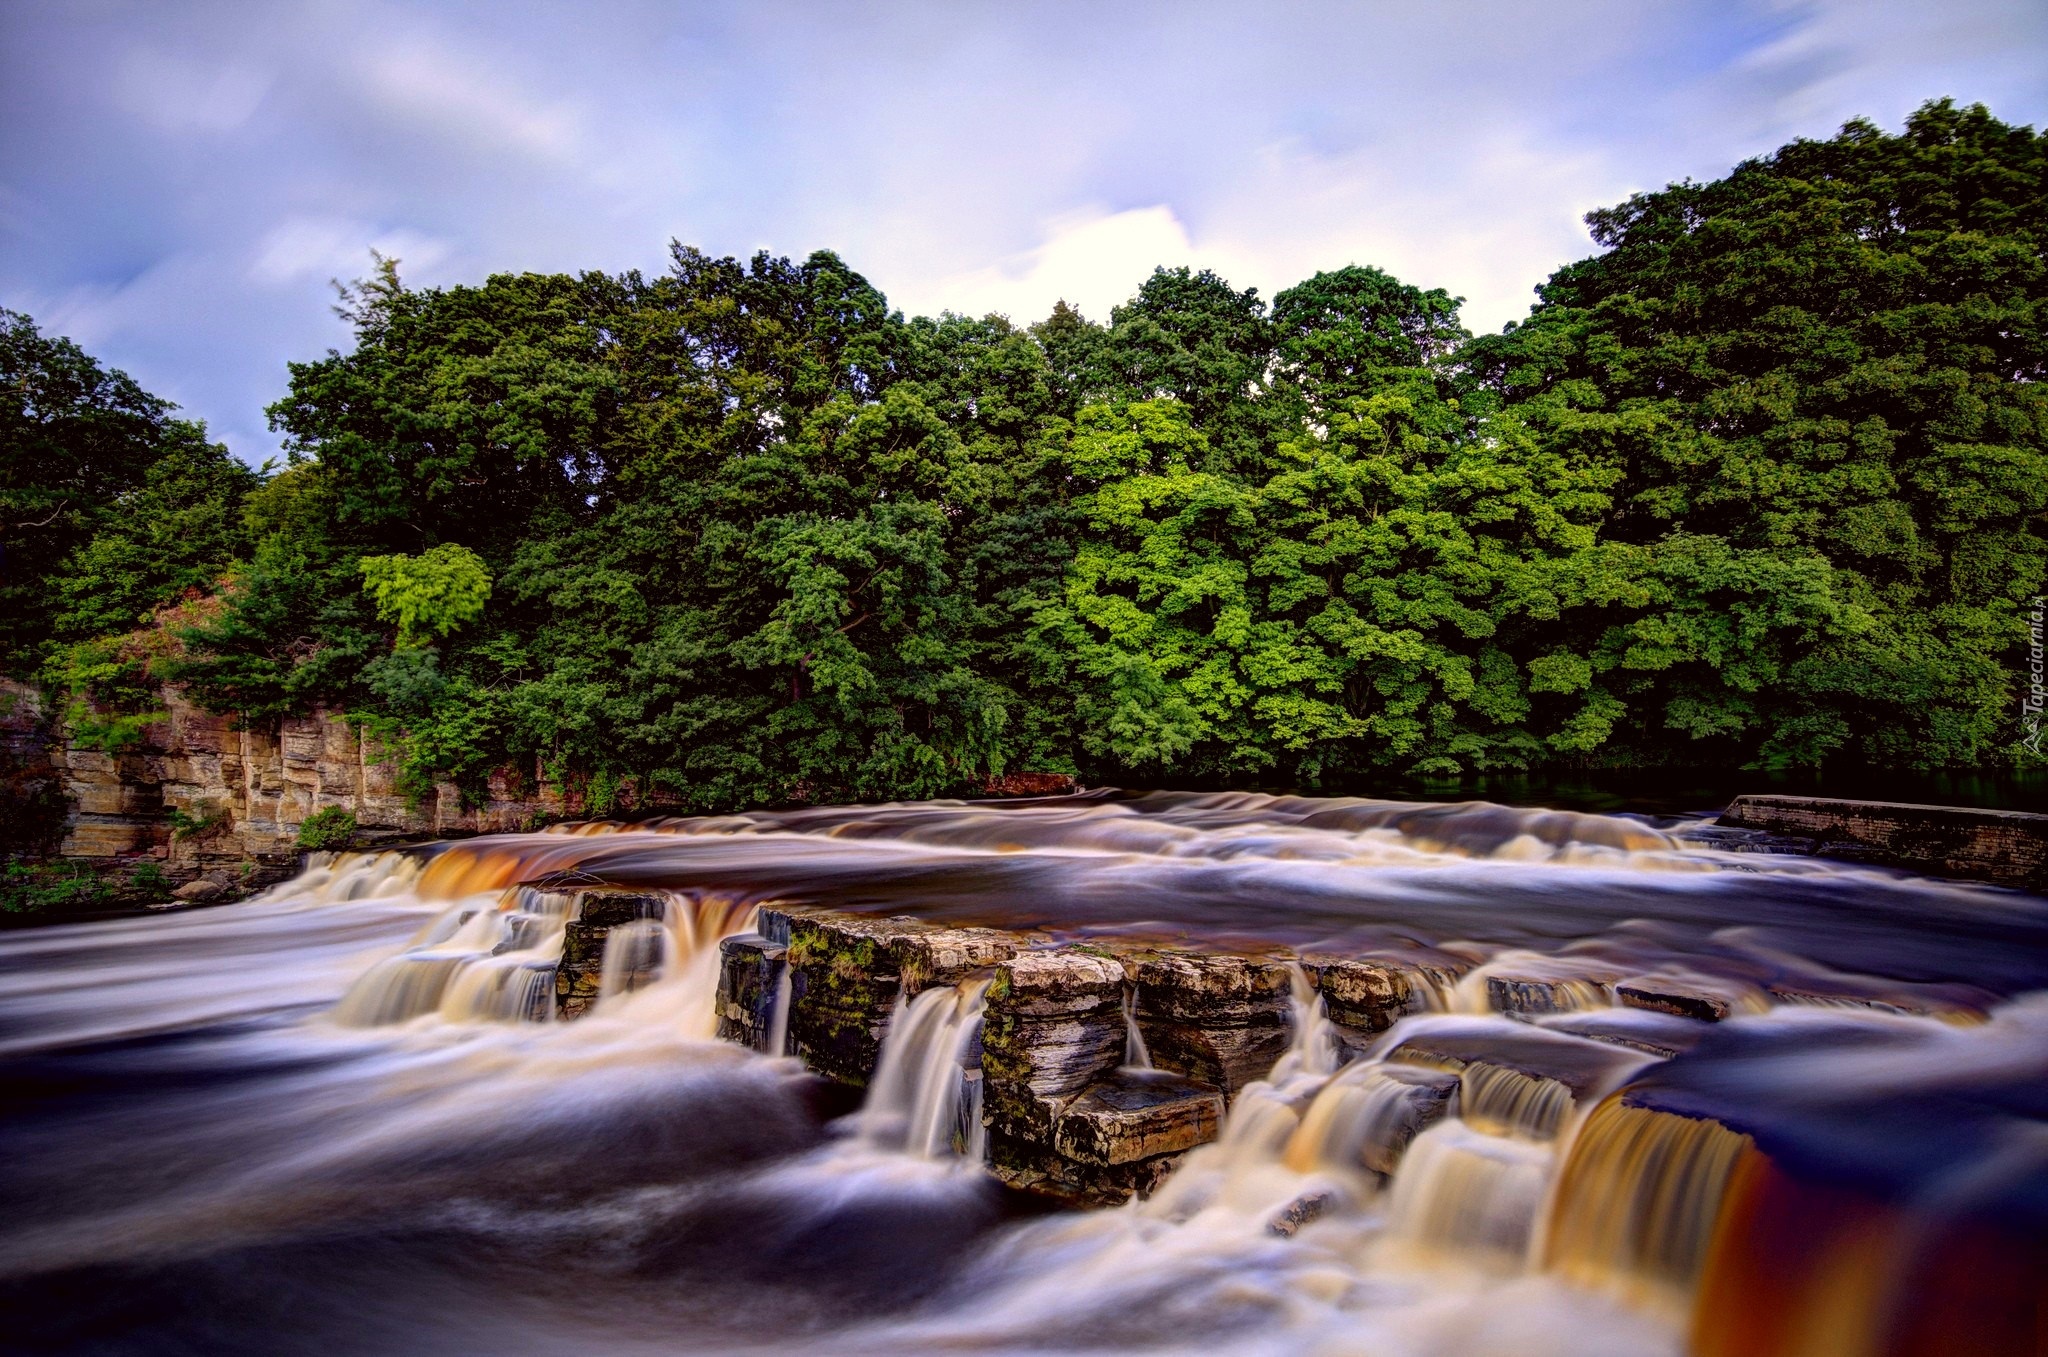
<point x="179" y="181"/>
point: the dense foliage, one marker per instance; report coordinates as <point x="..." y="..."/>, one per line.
<point x="1761" y="483"/>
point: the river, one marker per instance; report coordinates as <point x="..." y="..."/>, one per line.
<point x="338" y="1118"/>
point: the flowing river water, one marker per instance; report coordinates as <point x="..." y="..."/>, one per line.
<point x="340" y="1117"/>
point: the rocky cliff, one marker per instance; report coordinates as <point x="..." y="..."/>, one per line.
<point x="206" y="797"/>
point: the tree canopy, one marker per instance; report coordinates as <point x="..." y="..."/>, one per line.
<point x="1763" y="482"/>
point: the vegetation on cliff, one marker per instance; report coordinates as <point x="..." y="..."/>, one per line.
<point x="1763" y="482"/>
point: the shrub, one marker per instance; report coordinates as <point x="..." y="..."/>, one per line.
<point x="327" y="829"/>
<point x="27" y="888"/>
<point x="209" y="823"/>
<point x="149" y="879"/>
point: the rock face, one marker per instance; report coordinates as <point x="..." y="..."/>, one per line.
<point x="2005" y="846"/>
<point x="1063" y="1119"/>
<point x="750" y="970"/>
<point x="1221" y="1020"/>
<point x="595" y="913"/>
<point x="243" y="790"/>
<point x="847" y="970"/>
<point x="241" y="793"/>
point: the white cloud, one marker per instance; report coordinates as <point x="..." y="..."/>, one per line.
<point x="430" y="88"/>
<point x="329" y="247"/>
<point x="1092" y="260"/>
<point x="180" y="206"/>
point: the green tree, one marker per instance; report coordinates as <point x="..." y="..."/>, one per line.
<point x="428" y="595"/>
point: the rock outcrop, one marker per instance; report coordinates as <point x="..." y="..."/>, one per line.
<point x="593" y="916"/>
<point x="2008" y="847"/>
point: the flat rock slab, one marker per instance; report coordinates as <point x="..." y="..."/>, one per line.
<point x="1131" y="1115"/>
<point x="2008" y="847"/>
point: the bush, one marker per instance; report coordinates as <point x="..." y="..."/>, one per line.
<point x="327" y="829"/>
<point x="210" y="823"/>
<point x="149" y="879"/>
<point x="27" y="888"/>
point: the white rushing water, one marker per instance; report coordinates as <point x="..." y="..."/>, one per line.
<point x="340" y="1118"/>
<point x="925" y="1099"/>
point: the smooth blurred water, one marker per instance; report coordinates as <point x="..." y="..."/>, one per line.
<point x="224" y="1134"/>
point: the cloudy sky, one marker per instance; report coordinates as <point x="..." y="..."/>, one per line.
<point x="178" y="181"/>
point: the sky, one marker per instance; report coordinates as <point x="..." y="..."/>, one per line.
<point x="180" y="181"/>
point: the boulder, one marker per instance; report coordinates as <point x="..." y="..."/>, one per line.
<point x="200" y="890"/>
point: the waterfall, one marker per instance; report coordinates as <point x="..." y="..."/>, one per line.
<point x="481" y="959"/>
<point x="1313" y="1049"/>
<point x="492" y="958"/>
<point x="1366" y="1117"/>
<point x="1639" y="1198"/>
<point x="1509" y="1102"/>
<point x="1464" y="1192"/>
<point x="1136" y="1057"/>
<point x="636" y="955"/>
<point x="778" y="1017"/>
<point x="665" y="971"/>
<point x="926" y="1095"/>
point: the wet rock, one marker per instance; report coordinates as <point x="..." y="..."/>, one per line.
<point x="1299" y="1212"/>
<point x="201" y="889"/>
<point x="1546" y="994"/>
<point x="1665" y="996"/>
<point x="749" y="973"/>
<point x="596" y="911"/>
<point x="1365" y="997"/>
<point x="1222" y="1020"/>
<point x="2009" y="847"/>
<point x="1033" y="1166"/>
<point x="846" y="971"/>
<point x="1053" y="1023"/>
<point x="1064" y="1120"/>
<point x="1526" y="1079"/>
<point x="1129" y="1115"/>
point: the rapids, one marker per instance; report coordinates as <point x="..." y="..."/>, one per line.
<point x="342" y="1118"/>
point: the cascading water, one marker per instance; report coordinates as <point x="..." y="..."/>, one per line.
<point x="1645" y="1097"/>
<point x="926" y="1095"/>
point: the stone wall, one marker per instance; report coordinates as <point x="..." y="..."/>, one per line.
<point x="243" y="792"/>
<point x="2004" y="846"/>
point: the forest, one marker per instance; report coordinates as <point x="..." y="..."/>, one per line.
<point x="1762" y="483"/>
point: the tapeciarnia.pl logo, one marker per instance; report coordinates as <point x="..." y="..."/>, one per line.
<point x="2037" y="680"/>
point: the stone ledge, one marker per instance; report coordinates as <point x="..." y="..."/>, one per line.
<point x="2005" y="847"/>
